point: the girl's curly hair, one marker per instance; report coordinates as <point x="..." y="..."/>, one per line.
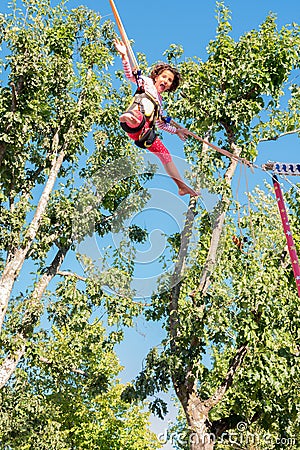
<point x="159" y="68"/>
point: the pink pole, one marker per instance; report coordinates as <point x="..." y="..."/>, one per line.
<point x="287" y="232"/>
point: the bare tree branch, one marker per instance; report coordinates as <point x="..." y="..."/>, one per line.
<point x="217" y="231"/>
<point x="71" y="274"/>
<point x="235" y="364"/>
<point x="14" y="98"/>
<point x="278" y="136"/>
<point x="179" y="267"/>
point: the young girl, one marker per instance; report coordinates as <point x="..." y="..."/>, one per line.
<point x="145" y="111"/>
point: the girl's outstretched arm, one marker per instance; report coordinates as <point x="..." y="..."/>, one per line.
<point x="122" y="50"/>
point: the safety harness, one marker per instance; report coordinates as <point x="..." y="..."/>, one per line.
<point x="150" y="108"/>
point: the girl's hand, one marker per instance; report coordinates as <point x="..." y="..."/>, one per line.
<point x="182" y="133"/>
<point x="121" y="48"/>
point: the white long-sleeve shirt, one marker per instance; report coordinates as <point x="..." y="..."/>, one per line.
<point x="151" y="89"/>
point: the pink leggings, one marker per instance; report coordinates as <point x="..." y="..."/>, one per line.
<point x="157" y="147"/>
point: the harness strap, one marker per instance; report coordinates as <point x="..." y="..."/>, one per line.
<point x="150" y="108"/>
<point x="139" y="80"/>
<point x="146" y="104"/>
<point x="146" y="138"/>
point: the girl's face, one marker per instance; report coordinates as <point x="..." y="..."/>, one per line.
<point x="164" y="81"/>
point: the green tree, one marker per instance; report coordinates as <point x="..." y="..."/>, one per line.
<point x="64" y="393"/>
<point x="237" y="304"/>
<point x="56" y="91"/>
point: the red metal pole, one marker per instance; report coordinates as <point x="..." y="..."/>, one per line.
<point x="287" y="232"/>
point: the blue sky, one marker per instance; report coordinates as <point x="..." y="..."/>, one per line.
<point x="154" y="26"/>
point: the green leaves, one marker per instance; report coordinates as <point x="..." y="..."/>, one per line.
<point x="66" y="393"/>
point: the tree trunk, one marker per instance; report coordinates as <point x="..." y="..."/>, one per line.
<point x="11" y="361"/>
<point x="201" y="441"/>
<point x="9" y="365"/>
<point x="197" y="418"/>
<point x="17" y="259"/>
<point x="197" y="410"/>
